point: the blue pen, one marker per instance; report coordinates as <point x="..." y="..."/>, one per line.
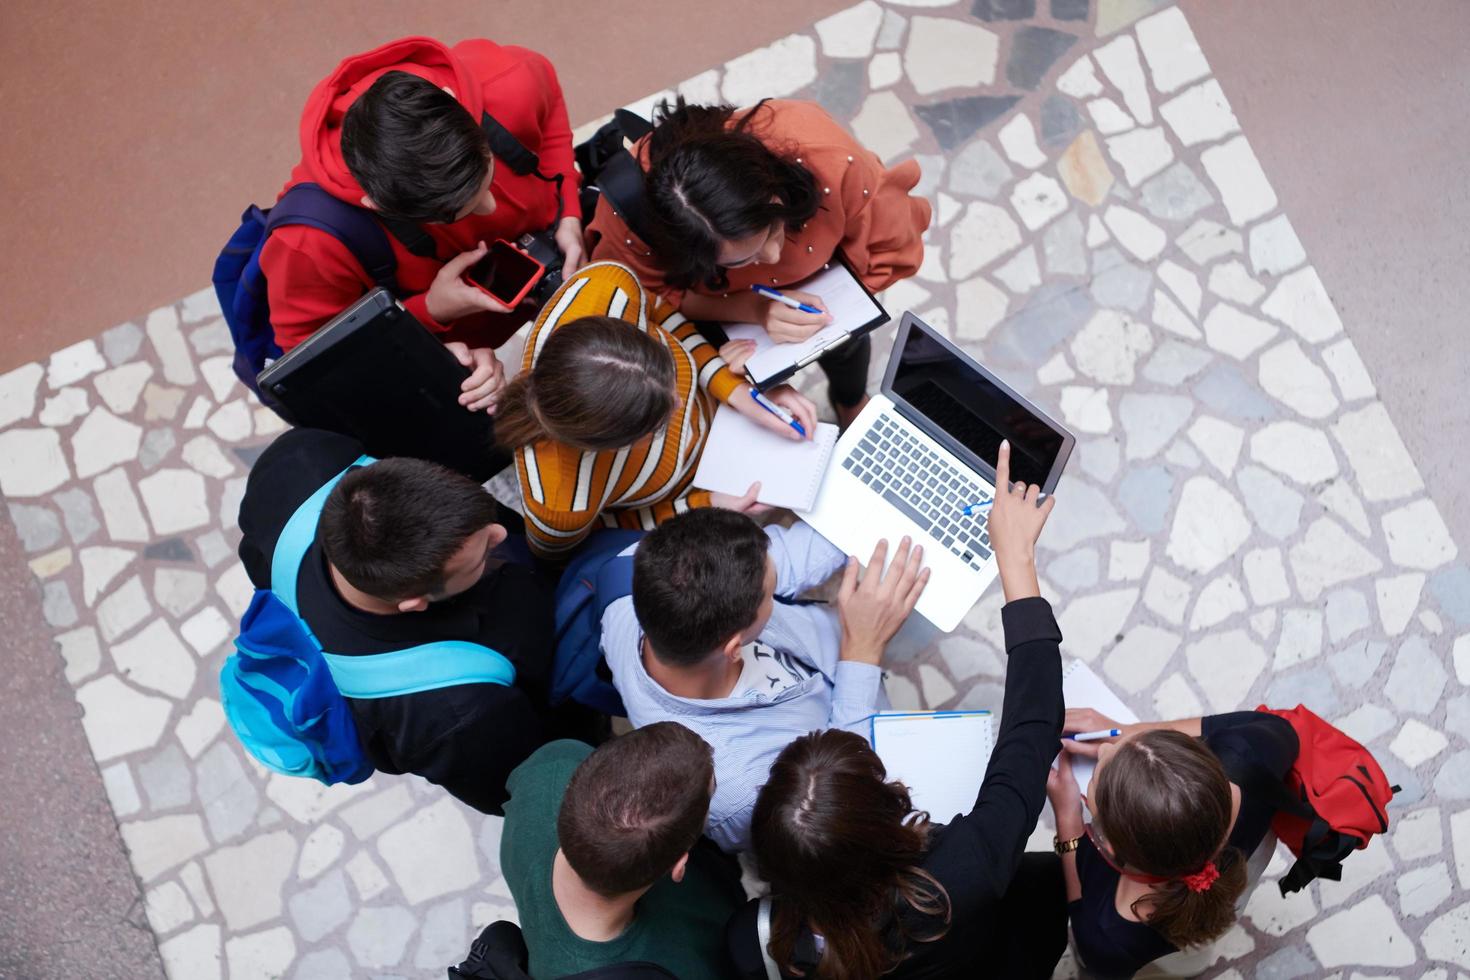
<point x="1095" y="736"/>
<point x="777" y="411"/>
<point x="973" y="510"/>
<point x="785" y="300"/>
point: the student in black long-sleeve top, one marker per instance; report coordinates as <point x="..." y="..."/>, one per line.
<point x="862" y="886"/>
<point x="1177" y="809"/>
<point x="403" y="556"/>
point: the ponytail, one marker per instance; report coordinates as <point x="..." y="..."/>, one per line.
<point x="598" y="383"/>
<point x="1189" y="915"/>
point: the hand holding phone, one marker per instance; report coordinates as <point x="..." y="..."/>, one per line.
<point x="506" y="273"/>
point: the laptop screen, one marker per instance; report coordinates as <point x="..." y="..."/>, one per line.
<point x="971" y="407"/>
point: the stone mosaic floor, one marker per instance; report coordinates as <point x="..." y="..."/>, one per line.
<point x="1241" y="522"/>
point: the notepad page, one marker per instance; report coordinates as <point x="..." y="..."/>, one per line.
<point x="739" y="451"/>
<point x="1082" y="688"/>
<point x="941" y="757"/>
<point x="851" y="308"/>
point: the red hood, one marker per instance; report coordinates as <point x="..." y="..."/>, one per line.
<point x="321" y="121"/>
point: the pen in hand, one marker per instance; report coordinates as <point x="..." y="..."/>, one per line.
<point x="778" y="411"/>
<point x="1095" y="736"/>
<point x="783" y="299"/>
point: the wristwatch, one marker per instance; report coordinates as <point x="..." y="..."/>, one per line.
<point x="1065" y="846"/>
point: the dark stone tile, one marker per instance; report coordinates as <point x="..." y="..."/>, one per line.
<point x="1033" y="51"/>
<point x="1224" y="390"/>
<point x="1004" y="9"/>
<point x="840" y="87"/>
<point x="1053" y="313"/>
<point x="1145" y="493"/>
<point x="173" y="549"/>
<point x="249" y="454"/>
<point x="1060" y="122"/>
<point x="1451" y="589"/>
<point x="1069" y="9"/>
<point x="956" y="120"/>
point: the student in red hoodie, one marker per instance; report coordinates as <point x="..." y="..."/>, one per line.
<point x="397" y="130"/>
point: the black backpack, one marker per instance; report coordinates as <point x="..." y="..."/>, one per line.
<point x="609" y="170"/>
<point x="500" y="954"/>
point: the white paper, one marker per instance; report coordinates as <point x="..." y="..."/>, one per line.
<point x="940" y="756"/>
<point x="842" y="295"/>
<point x="738" y="452"/>
<point x="1082" y="688"/>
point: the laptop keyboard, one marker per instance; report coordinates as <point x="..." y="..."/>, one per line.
<point x="927" y="488"/>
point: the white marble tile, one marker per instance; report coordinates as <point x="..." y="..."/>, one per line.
<point x="205" y="456"/>
<point x="1056" y="370"/>
<point x="1020" y="273"/>
<point x="31" y="462"/>
<point x="200" y="305"/>
<point x="1182" y="283"/>
<point x="946" y="53"/>
<point x="1108" y="347"/>
<point x="1079" y="80"/>
<point x="162" y="328"/>
<point x="1200" y="115"/>
<point x="1417" y="536"/>
<point x="1140" y="236"/>
<point x="154" y="657"/>
<point x="1169" y="46"/>
<point x="125" y="608"/>
<point x="979" y="306"/>
<point x="1166" y="595"/>
<point x="1140" y="657"/>
<point x="1109" y="117"/>
<point x="1174" y="698"/>
<point x="199" y="726"/>
<point x="1091" y="623"/>
<point x="1447" y="938"/>
<point x="236" y="589"/>
<point x="1170" y="317"/>
<point x="168" y="907"/>
<point x="121" y="386"/>
<point x="156" y="845"/>
<point x="64" y="407"/>
<point x="1209" y="526"/>
<point x="1018" y="139"/>
<point x="120" y="511"/>
<point x="1276" y="915"/>
<point x="1229" y="280"/>
<point x="1367" y="934"/>
<point x="306" y="801"/>
<point x="231" y="422"/>
<point x="1301" y="638"/>
<point x="1300" y="301"/>
<point x="176" y="500"/>
<point x="1243" y="186"/>
<point x="1151" y="420"/>
<point x="1224" y="666"/>
<point x="1274" y="247"/>
<point x="884" y="70"/>
<point x="779" y="69"/>
<point x="219" y="375"/>
<point x="1352" y="377"/>
<point x="379" y="936"/>
<point x="369" y="816"/>
<point x="18" y="393"/>
<point x="1218" y="441"/>
<point x="122" y="792"/>
<point x="1141" y="153"/>
<point x="246" y="878"/>
<point x="1097" y="232"/>
<point x="320" y="851"/>
<point x="1119" y="62"/>
<point x="1327" y="556"/>
<point x="1038" y="199"/>
<point x="1378" y="457"/>
<point x="1222" y="598"/>
<point x="1206" y="240"/>
<point x="1294" y="450"/>
<point x="1398" y="597"/>
<point x="1127" y="560"/>
<point x="850" y="33"/>
<point x="71" y="364"/>
<point x="103" y="441"/>
<point x="1293" y="378"/>
<point x="100" y="565"/>
<point x="263" y="955"/>
<point x="1423" y="890"/>
<point x="206" y="630"/>
<point x="194" y="954"/>
<point x="1417" y="743"/>
<point x="1234" y="332"/>
<point x="936" y="687"/>
<point x="981" y="235"/>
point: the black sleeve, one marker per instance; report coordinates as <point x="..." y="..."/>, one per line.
<point x="1251" y="742"/>
<point x="742" y="941"/>
<point x="994" y="833"/>
<point x="474" y="761"/>
<point x="291" y="469"/>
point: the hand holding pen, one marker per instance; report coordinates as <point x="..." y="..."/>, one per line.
<point x="791" y="316"/>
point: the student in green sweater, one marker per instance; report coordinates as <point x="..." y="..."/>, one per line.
<point x="599" y="852"/>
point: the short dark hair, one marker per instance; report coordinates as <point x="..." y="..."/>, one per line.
<point x="709" y="182"/>
<point x="698" y="579"/>
<point x="415" y="150"/>
<point x="635" y="806"/>
<point x="390" y="528"/>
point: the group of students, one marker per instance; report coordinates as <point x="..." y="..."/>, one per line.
<point x="748" y="700"/>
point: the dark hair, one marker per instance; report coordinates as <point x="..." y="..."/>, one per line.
<point x="841" y="847"/>
<point x="598" y="383"/>
<point x="1164" y="808"/>
<point x="698" y="579"/>
<point x="635" y="806"/>
<point x="709" y="182"/>
<point x="415" y="150"/>
<point x="390" y="528"/>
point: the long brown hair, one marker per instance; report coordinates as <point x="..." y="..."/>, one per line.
<point x="841" y="847"/>
<point x="1164" y="809"/>
<point x="598" y="383"/>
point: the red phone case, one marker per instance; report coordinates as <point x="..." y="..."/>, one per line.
<point x="515" y="300"/>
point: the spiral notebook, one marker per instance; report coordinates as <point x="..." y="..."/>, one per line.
<point x="739" y="452"/>
<point x="1082" y="688"/>
<point x="941" y="756"/>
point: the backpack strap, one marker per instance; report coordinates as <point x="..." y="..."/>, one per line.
<point x="763" y="936"/>
<point x="296" y="539"/>
<point x="518" y="157"/>
<point x="308" y="204"/>
<point x="621" y="179"/>
<point x="427" y="667"/>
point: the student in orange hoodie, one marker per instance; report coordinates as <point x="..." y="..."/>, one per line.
<point x="397" y="130"/>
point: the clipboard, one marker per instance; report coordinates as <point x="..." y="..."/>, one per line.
<point x="809" y="353"/>
<point x="941" y="756"/>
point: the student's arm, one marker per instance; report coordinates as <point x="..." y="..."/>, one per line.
<point x="1066" y="806"/>
<point x="1263" y="740"/>
<point x="474" y="761"/>
<point x="553" y="526"/>
<point x="803" y="558"/>
<point x="555" y="152"/>
<point x="712" y="373"/>
<point x="883" y="233"/>
<point x="871" y="610"/>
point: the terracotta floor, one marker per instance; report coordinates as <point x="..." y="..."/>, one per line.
<point x="1357" y="121"/>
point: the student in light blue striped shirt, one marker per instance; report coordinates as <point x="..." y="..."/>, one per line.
<point x="712" y="639"/>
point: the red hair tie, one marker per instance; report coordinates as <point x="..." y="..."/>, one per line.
<point x="1202" y="879"/>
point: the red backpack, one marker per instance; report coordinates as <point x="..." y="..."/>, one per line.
<point x="1335" y="799"/>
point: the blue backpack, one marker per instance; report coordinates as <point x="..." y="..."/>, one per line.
<point x="286" y="698"/>
<point x="240" y="285"/>
<point x="596" y="578"/>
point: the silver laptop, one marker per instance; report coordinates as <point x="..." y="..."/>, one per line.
<point x="922" y="451"/>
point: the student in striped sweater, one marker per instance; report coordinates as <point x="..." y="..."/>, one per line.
<point x="611" y="410"/>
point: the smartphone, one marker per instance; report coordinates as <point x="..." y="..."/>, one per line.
<point x="506" y="273"/>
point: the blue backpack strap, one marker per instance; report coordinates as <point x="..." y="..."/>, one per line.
<point x="308" y="204"/>
<point x="296" y="539"/>
<point x="428" y="667"/>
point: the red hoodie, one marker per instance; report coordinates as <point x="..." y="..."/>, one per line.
<point x="312" y="277"/>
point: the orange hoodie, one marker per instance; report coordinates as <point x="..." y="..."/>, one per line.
<point x="311" y="277"/>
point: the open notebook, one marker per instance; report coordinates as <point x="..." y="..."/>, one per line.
<point x="854" y="311"/>
<point x="739" y="452"/>
<point x="941" y="756"/>
<point x="1082" y="688"/>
